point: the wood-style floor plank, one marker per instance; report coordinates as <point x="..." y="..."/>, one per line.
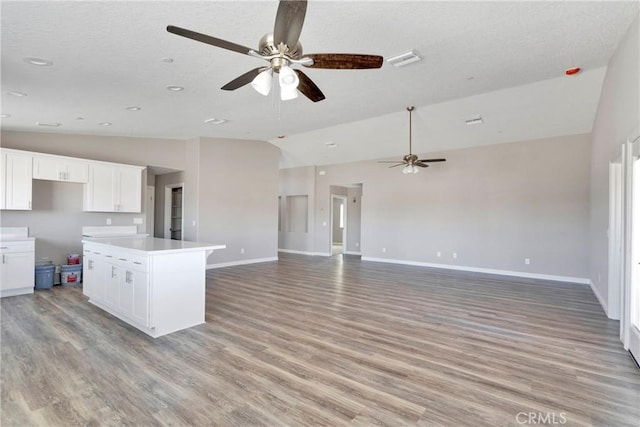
<point x="324" y="341"/>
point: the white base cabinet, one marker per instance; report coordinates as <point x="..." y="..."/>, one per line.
<point x="158" y="291"/>
<point x="17" y="275"/>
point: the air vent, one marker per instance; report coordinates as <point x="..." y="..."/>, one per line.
<point x="404" y="59"/>
<point x="474" y="121"/>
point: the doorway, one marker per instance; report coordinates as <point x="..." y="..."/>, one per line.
<point x="338" y="224"/>
<point x="173" y="211"/>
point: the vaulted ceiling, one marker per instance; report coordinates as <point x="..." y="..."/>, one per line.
<point x="502" y="60"/>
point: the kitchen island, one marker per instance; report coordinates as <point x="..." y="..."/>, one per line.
<point x="155" y="285"/>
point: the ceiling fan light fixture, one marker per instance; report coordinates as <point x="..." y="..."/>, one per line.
<point x="288" y="78"/>
<point x="263" y="81"/>
<point x="287" y="94"/>
<point x="409" y="169"/>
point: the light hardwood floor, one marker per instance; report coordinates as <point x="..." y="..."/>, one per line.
<point x="325" y="341"/>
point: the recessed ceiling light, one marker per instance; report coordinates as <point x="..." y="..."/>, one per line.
<point x="4" y="116"/>
<point x="404" y="59"/>
<point x="105" y="124"/>
<point x="133" y="108"/>
<point x="474" y="121"/>
<point x="470" y="78"/>
<point x="215" y="121"/>
<point x="50" y="124"/>
<point x="331" y="144"/>
<point x="280" y="136"/>
<point x="79" y="118"/>
<point x="167" y="60"/>
<point x="572" y="71"/>
<point x="175" y="88"/>
<point x="18" y="94"/>
<point x="39" y="62"/>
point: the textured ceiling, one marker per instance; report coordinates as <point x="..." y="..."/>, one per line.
<point x="108" y="55"/>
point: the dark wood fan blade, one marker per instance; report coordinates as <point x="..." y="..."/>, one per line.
<point x="208" y="39"/>
<point x="399" y="164"/>
<point x="308" y="87"/>
<point x="432" y="160"/>
<point x="344" y="61"/>
<point x="289" y="20"/>
<point x="243" y="79"/>
<point x="422" y="165"/>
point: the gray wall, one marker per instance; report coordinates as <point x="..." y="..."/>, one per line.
<point x="354" y="198"/>
<point x="238" y="198"/>
<point x="616" y="118"/>
<point x="493" y="206"/>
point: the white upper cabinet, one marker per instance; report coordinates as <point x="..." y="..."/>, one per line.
<point x="108" y="187"/>
<point x="113" y="188"/>
<point x="15" y="188"/>
<point x="54" y="168"/>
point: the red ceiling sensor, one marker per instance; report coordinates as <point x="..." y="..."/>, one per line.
<point x="572" y="71"/>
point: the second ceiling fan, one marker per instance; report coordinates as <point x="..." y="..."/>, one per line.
<point x="282" y="49"/>
<point x="410" y="161"/>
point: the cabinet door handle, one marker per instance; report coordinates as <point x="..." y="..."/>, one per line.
<point x="128" y="277"/>
<point x="113" y="272"/>
<point x="4" y="247"/>
<point x="136" y="262"/>
<point x="122" y="259"/>
<point x="29" y="204"/>
<point x="90" y="266"/>
<point x="3" y="259"/>
<point x="109" y="256"/>
<point x="59" y="175"/>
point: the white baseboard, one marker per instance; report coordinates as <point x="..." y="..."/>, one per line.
<point x="599" y="297"/>
<point x="522" y="274"/>
<point x="352" y="253"/>
<point x="242" y="262"/>
<point x="291" y="251"/>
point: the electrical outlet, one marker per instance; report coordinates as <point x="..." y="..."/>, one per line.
<point x="384" y="250"/>
<point x="439" y="254"/>
<point x="137" y="220"/>
<point x="357" y="245"/>
<point x="241" y="250"/>
<point x="324" y="223"/>
<point x="527" y="261"/>
<point x="108" y="221"/>
<point x="193" y="223"/>
<point x="455" y="255"/>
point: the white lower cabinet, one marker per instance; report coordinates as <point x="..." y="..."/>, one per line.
<point x="118" y="282"/>
<point x="17" y="268"/>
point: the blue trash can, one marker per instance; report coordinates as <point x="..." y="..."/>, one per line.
<point x="70" y="274"/>
<point x="44" y="276"/>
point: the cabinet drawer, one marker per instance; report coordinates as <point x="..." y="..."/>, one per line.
<point x="9" y="247"/>
<point x="139" y="263"/>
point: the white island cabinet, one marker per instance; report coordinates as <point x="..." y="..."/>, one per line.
<point x="156" y="285"/>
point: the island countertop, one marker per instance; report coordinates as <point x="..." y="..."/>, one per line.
<point x="152" y="245"/>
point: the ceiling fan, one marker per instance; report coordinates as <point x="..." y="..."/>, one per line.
<point x="410" y="161"/>
<point x="281" y="49"/>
